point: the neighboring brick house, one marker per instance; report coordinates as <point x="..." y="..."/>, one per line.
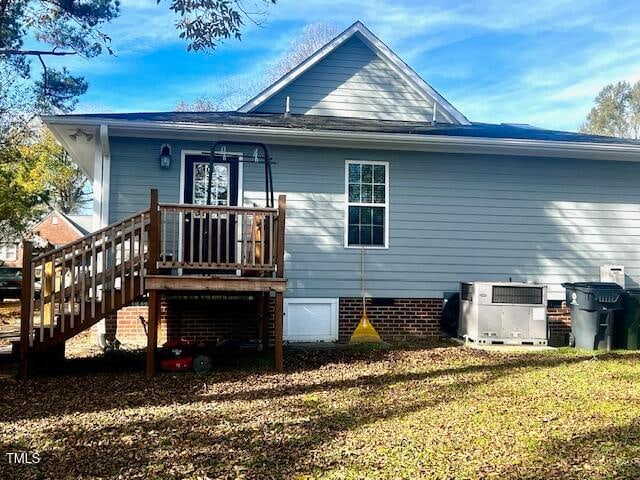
<point x="52" y="231"/>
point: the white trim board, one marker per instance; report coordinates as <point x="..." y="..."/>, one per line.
<point x="106" y="173"/>
<point x="378" y="47"/>
<point x="331" y="336"/>
<point x="98" y="171"/>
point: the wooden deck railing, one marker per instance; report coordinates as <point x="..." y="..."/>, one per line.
<point x="205" y="238"/>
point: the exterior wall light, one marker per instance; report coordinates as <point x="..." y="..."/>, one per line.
<point x="165" y="156"/>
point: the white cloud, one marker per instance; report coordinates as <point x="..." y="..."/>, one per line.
<point x="547" y="83"/>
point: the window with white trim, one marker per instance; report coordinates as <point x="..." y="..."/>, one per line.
<point x="8" y="251"/>
<point x="367" y="194"/>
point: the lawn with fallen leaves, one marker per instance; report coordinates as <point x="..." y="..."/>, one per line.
<point x="418" y="411"/>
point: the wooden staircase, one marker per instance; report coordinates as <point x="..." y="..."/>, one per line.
<point x="71" y="288"/>
<point x="167" y="247"/>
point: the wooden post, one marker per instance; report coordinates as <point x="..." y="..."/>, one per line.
<point x="263" y="324"/>
<point x="25" y="308"/>
<point x="152" y="334"/>
<point x="152" y="268"/>
<point x="278" y="332"/>
<point x="282" y="203"/>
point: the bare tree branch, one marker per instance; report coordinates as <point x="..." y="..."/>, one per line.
<point x="37" y="53"/>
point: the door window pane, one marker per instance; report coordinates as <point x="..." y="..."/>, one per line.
<point x="219" y="184"/>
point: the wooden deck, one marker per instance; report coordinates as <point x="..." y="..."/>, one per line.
<point x="215" y="283"/>
<point x="168" y="247"/>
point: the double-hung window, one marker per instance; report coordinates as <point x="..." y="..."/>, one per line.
<point x="367" y="206"/>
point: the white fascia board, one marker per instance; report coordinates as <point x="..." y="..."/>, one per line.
<point x="369" y="140"/>
<point x="70" y="223"/>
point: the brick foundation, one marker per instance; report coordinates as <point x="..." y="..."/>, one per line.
<point x="208" y="318"/>
<point x="559" y="324"/>
<point x="127" y="327"/>
<point x="203" y="318"/>
<point x="211" y="319"/>
<point x="393" y="319"/>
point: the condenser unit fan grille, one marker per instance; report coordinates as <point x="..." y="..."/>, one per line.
<point x="517" y="295"/>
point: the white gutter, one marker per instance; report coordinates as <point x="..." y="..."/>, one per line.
<point x="366" y="140"/>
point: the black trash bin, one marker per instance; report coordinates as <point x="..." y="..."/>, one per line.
<point x="626" y="333"/>
<point x="593" y="308"/>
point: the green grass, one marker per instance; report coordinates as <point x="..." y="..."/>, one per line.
<point x="381" y="413"/>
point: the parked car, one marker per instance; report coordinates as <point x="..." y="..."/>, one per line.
<point x="10" y="282"/>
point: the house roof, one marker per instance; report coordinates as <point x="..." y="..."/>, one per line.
<point x="83" y="223"/>
<point x="76" y="226"/>
<point x="327" y="123"/>
<point x="378" y="47"/>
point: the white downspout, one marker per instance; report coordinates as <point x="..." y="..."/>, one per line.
<point x="97" y="185"/>
<point x="106" y="174"/>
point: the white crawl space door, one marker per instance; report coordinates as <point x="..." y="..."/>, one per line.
<point x="310" y="319"/>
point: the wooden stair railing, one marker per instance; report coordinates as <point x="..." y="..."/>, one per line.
<point x="69" y="289"/>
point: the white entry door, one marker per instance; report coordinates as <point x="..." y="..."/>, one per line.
<point x="310" y="319"/>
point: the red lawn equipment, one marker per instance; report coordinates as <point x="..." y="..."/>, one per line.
<point x="176" y="356"/>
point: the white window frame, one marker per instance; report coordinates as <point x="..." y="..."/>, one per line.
<point x="359" y="204"/>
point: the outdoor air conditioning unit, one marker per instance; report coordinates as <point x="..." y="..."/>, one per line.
<point x="503" y="313"/>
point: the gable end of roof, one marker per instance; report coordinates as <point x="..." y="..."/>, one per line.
<point x="360" y="31"/>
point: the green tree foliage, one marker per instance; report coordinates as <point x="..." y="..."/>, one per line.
<point x="33" y="174"/>
<point x="205" y="23"/>
<point x="47" y="168"/>
<point x="616" y="112"/>
<point x="39" y="176"/>
<point x="18" y="204"/>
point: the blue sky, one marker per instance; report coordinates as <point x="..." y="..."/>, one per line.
<point x="537" y="61"/>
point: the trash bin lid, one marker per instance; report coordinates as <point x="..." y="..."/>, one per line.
<point x="590" y="287"/>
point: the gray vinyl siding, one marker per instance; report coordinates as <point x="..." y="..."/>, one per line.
<point x="457" y="218"/>
<point x="352" y="81"/>
<point x="135" y="169"/>
<point x="452" y="217"/>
